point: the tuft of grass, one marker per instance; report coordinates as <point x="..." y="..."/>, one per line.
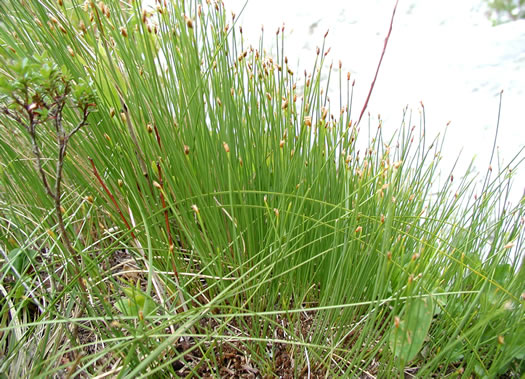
<point x="224" y="218"/>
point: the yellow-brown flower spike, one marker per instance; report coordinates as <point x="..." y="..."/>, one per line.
<point x="89" y="199"/>
<point x="123" y="31"/>
<point x="276" y="211"/>
<point x="501" y="340"/>
<point x="186" y="149"/>
<point x="284" y="104"/>
<point x="510" y="245"/>
<point x="359" y="229"/>
<point x="157" y="185"/>
<point x="324" y="112"/>
<point x="70" y="51"/>
<point x="397" y="322"/>
<point x="120" y="183"/>
<point x="226" y="147"/>
<point x="195" y="208"/>
<point x="281" y="143"/>
<point x="149" y="128"/>
<point x="82" y="27"/>
<point x="308" y="120"/>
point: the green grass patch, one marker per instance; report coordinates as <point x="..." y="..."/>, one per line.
<point x="206" y="211"/>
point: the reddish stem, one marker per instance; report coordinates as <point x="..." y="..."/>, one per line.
<point x="166" y="217"/>
<point x="379" y="65"/>
<point x="95" y="171"/>
<point x="157" y="135"/>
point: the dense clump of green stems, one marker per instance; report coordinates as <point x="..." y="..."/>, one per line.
<point x="217" y="198"/>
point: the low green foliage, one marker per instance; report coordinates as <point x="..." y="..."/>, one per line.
<point x="218" y="210"/>
<point x="408" y="335"/>
<point x="506" y="10"/>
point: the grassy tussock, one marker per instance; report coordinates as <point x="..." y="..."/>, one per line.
<point x="225" y="216"/>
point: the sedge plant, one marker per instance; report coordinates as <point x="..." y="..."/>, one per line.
<point x="225" y="216"/>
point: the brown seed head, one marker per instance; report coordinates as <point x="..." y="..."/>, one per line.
<point x="189" y="22"/>
<point x="324" y="112"/>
